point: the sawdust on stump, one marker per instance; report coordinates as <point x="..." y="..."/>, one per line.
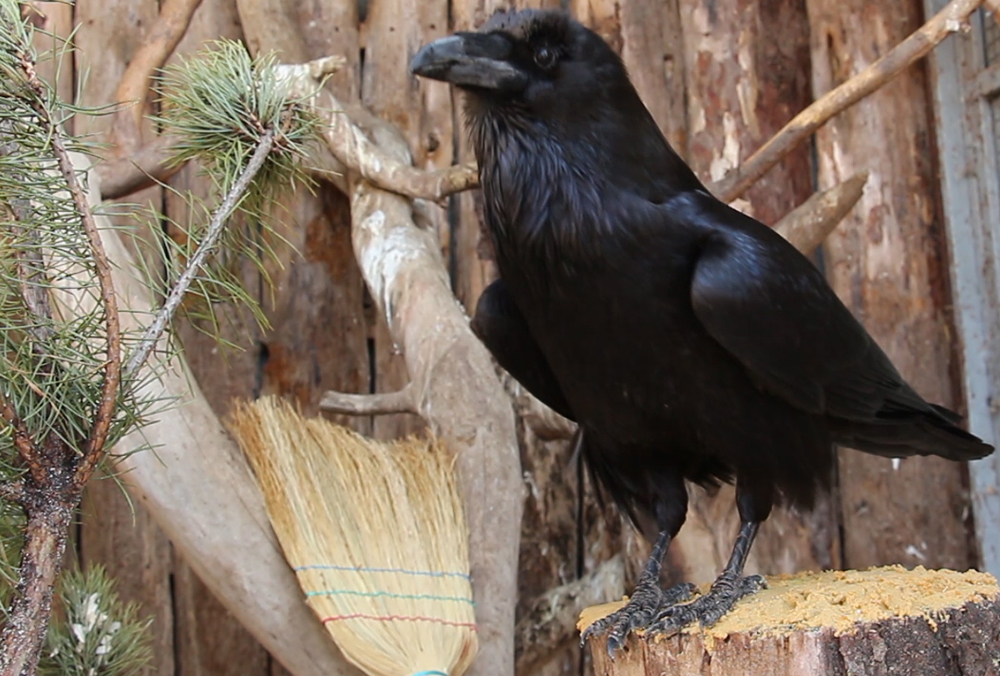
<point x="822" y="623"/>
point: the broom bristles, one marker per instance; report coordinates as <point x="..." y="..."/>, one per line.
<point x="376" y="533"/>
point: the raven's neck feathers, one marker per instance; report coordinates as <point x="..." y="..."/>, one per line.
<point x="544" y="181"/>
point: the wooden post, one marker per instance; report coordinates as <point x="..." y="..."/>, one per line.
<point x="887" y="261"/>
<point x="837" y="623"/>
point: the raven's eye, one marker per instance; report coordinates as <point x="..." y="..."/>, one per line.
<point x="545" y="57"/>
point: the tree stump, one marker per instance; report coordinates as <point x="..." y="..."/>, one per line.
<point x="876" y="622"/>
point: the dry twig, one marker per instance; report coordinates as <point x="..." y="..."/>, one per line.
<point x="809" y="224"/>
<point x="383" y="403"/>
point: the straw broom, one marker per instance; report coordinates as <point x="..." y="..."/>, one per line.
<point x="376" y="534"/>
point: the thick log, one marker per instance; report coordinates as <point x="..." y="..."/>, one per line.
<point x="423" y="116"/>
<point x="837" y="623"/>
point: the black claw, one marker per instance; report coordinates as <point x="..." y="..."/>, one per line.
<point x="613" y="646"/>
<point x="647" y="603"/>
<point x="708" y="609"/>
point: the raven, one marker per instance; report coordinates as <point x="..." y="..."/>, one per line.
<point x="689" y="341"/>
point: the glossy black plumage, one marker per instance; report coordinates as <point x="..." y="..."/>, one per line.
<point x="689" y="341"/>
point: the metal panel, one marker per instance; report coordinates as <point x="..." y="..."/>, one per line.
<point x="967" y="142"/>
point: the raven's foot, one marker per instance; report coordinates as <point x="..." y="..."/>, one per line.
<point x="707" y="609"/>
<point x="643" y="607"/>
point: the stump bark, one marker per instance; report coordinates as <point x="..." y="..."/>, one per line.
<point x="851" y="623"/>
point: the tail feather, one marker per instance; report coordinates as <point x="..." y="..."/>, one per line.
<point x="930" y="432"/>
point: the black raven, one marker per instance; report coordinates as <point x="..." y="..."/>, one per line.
<point x="688" y="340"/>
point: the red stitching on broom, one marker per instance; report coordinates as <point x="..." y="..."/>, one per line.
<point x="404" y="618"/>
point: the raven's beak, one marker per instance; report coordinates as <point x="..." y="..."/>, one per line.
<point x="470" y="60"/>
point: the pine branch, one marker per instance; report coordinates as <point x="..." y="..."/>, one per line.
<point x="25" y="445"/>
<point x="207" y="245"/>
<point x="112" y="370"/>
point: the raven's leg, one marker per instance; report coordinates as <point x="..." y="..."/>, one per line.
<point x="648" y="600"/>
<point x="731" y="585"/>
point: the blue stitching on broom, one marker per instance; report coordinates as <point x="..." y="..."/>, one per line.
<point x="428" y="573"/>
<point x="394" y="595"/>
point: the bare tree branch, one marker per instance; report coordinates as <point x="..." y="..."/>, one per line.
<point x="383" y="403"/>
<point x="158" y="45"/>
<point x="350" y="144"/>
<point x="809" y="224"/>
<point x="949" y="20"/>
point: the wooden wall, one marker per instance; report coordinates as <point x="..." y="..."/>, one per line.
<point x="720" y="76"/>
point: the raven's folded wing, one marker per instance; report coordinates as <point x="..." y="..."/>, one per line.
<point x="502" y="328"/>
<point x="772" y="309"/>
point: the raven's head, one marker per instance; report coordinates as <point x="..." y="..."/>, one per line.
<point x="542" y="61"/>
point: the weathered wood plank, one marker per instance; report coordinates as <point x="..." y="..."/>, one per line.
<point x="886" y="261"/>
<point x="971" y="201"/>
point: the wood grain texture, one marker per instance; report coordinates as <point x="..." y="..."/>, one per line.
<point x="421" y="110"/>
<point x="962" y="642"/>
<point x="971" y="202"/>
<point x="887" y="262"/>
